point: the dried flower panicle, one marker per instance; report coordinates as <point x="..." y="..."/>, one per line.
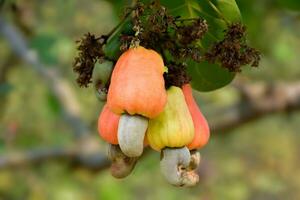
<point x="176" y="39"/>
<point x="189" y="34"/>
<point x="90" y="51"/>
<point x="176" y="75"/>
<point x="233" y="52"/>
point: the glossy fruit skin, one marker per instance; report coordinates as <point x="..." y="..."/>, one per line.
<point x="174" y="126"/>
<point x="202" y="132"/>
<point x="108" y="125"/>
<point x="137" y="84"/>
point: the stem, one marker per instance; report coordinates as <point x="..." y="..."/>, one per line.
<point x="114" y="30"/>
<point x="130" y="9"/>
<point x="188" y="19"/>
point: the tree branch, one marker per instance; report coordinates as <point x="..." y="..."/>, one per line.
<point x="258" y="100"/>
<point x="93" y="160"/>
<point x="60" y="87"/>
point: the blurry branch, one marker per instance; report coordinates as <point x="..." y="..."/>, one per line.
<point x="258" y="100"/>
<point x="93" y="161"/>
<point x="88" y="156"/>
<point x="60" y="87"/>
<point x="87" y="153"/>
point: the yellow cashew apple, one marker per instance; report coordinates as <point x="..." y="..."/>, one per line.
<point x="174" y="126"/>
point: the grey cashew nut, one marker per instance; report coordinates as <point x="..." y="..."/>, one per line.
<point x="131" y="134"/>
<point x="121" y="165"/>
<point x="175" y="167"/>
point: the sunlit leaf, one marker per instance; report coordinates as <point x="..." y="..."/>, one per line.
<point x="228" y="9"/>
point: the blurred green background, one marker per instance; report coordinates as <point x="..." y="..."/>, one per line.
<point x="257" y="160"/>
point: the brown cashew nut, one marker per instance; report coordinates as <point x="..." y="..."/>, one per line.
<point x="131" y="133"/>
<point x="121" y="165"/>
<point x="174" y="166"/>
<point x="195" y="160"/>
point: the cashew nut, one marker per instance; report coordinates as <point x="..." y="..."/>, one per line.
<point x="175" y="167"/>
<point x="121" y="165"/>
<point x="131" y="133"/>
<point x="195" y="160"/>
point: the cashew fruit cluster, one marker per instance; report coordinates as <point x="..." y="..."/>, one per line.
<point x="140" y="111"/>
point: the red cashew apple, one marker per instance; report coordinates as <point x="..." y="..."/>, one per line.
<point x="202" y="133"/>
<point x="108" y="125"/>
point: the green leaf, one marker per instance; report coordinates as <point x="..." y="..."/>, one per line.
<point x="112" y="47"/>
<point x="228" y="9"/>
<point x="183" y="8"/>
<point x="208" y="77"/>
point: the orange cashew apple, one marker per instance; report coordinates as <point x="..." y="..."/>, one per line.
<point x="137" y="93"/>
<point x="137" y="84"/>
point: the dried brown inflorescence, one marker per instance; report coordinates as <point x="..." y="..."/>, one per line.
<point x="90" y="51"/>
<point x="156" y="29"/>
<point x="233" y="52"/>
<point x="177" y="75"/>
<point x="176" y="39"/>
